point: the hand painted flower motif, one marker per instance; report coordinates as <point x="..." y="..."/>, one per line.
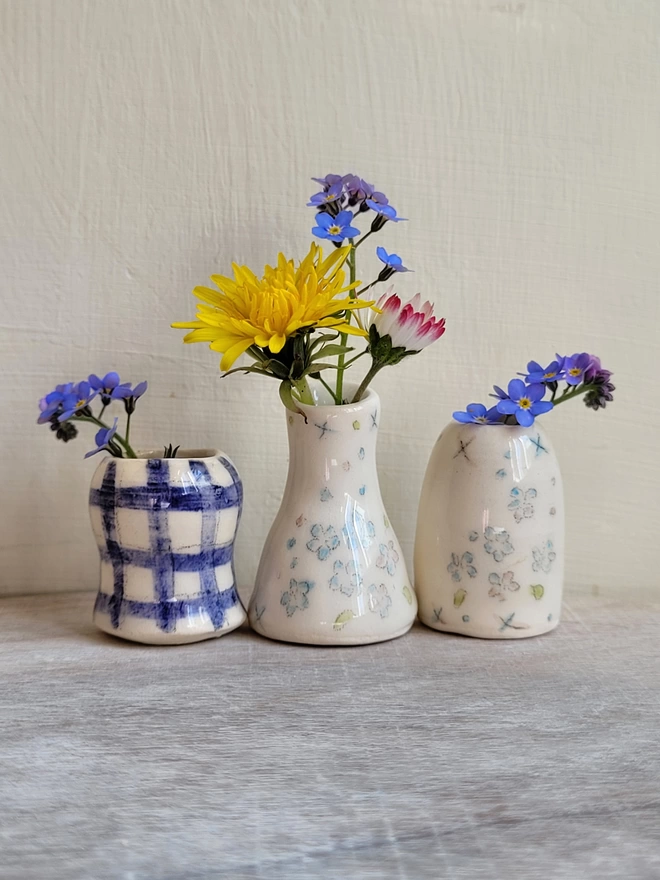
<point x="388" y="557"/>
<point x="393" y="263"/>
<point x="543" y="557"/>
<point x="500" y="584"/>
<point x="266" y="312"/>
<point x="525" y="402"/>
<point x="551" y="373"/>
<point x="462" y="563"/>
<point x="359" y="533"/>
<point x="346" y="578"/>
<point x="575" y="367"/>
<point x="477" y="414"/>
<point x="323" y="541"/>
<point x="335" y="228"/>
<point x="380" y="600"/>
<point x="521" y="503"/>
<point x="103" y="439"/>
<point x="296" y="597"/>
<point x="411" y="326"/>
<point x="497" y="543"/>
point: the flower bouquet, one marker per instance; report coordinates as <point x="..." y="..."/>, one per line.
<point x="489" y="550"/>
<point x="332" y="570"/>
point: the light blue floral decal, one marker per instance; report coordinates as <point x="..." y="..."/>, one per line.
<point x="497" y="543"/>
<point x="544" y="556"/>
<point x="363" y="489"/>
<point x="473" y="536"/>
<point x="461" y="563"/>
<point x="359" y="532"/>
<point x="323" y="541"/>
<point x="291" y="543"/>
<point x="501" y="583"/>
<point x="294" y="562"/>
<point x="379" y="599"/>
<point x="521" y="503"/>
<point x="346" y="578"/>
<point x="326" y="494"/>
<point x="388" y="557"/>
<point x="361" y="453"/>
<point x="295" y="598"/>
<point x="501" y="474"/>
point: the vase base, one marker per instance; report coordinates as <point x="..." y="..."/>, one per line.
<point x="490" y="633"/>
<point x="147" y="632"/>
<point x="336" y="640"/>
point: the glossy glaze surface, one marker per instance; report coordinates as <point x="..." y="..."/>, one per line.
<point x="165" y="529"/>
<point x="489" y="549"/>
<point x="332" y="570"/>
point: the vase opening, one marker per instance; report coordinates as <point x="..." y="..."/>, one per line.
<point x="182" y="454"/>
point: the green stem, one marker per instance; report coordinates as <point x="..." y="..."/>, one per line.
<point x="375" y="368"/>
<point x="569" y="395"/>
<point x="128" y="429"/>
<point x="327" y="387"/>
<point x="365" y="289"/>
<point x="339" y="395"/>
<point x="303" y="391"/>
<point x="122" y="442"/>
<point x="364" y="238"/>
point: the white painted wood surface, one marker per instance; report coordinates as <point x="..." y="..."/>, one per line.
<point x="147" y="143"/>
<point x="431" y="756"/>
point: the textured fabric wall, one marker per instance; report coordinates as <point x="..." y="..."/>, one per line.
<point x="147" y="143"/>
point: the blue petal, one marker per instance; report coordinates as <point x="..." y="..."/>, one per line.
<point x="525" y="418"/>
<point x="516" y="389"/>
<point x="476" y="409"/>
<point x="382" y="254"/>
<point x="507" y="407"/>
<point x="320" y="233"/>
<point x="139" y="389"/>
<point x="543" y="406"/>
<point x="535" y="391"/>
<point x="343" y="218"/>
<point x="324" y="220"/>
<point x="462" y="417"/>
<point x="350" y="232"/>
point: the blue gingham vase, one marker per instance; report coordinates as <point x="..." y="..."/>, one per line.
<point x="165" y="529"/>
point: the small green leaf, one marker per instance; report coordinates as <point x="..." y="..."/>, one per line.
<point x="407" y="592"/>
<point x="537" y="590"/>
<point x="342" y="619"/>
<point x="332" y="351"/>
<point x="356" y="425"/>
<point x="459" y="597"/>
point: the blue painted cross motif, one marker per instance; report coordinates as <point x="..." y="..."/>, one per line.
<point x="539" y="446"/>
<point x="157" y="499"/>
<point x="324" y="429"/>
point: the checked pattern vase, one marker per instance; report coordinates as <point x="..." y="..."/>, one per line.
<point x="165" y="530"/>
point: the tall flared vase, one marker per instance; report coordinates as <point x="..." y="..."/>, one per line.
<point x="165" y="531"/>
<point x="332" y="571"/>
<point x="489" y="549"/>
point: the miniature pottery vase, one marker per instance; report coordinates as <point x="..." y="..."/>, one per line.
<point x="165" y="530"/>
<point x="332" y="571"/>
<point x="489" y="549"/>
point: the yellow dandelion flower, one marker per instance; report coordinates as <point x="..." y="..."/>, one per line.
<point x="246" y="311"/>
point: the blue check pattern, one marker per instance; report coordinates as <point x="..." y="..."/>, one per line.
<point x="158" y="498"/>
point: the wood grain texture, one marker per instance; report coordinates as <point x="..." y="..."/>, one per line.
<point x="147" y="143"/>
<point x="428" y="757"/>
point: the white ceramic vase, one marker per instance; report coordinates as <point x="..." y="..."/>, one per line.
<point x="489" y="549"/>
<point x="165" y="531"/>
<point x="332" y="571"/>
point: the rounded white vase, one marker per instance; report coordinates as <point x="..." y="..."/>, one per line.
<point x="332" y="571"/>
<point x="165" y="530"/>
<point x="489" y="548"/>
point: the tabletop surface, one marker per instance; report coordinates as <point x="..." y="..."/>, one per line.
<point x="432" y="756"/>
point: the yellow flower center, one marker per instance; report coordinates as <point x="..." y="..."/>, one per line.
<point x="549" y="375"/>
<point x="80" y="404"/>
<point x="334" y="230"/>
<point x="481" y="419"/>
<point x="574" y="371"/>
<point x="524" y="403"/>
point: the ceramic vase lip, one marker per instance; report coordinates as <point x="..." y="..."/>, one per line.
<point x="370" y="397"/>
<point x="205" y="453"/>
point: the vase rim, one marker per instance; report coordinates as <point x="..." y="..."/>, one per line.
<point x="205" y="453"/>
<point x="369" y="397"/>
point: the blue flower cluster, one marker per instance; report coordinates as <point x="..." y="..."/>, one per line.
<point x="72" y="402"/>
<point x="523" y="401"/>
<point x="341" y="199"/>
